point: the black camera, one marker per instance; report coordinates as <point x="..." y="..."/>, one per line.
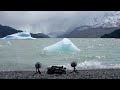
<point x="56" y="70"/>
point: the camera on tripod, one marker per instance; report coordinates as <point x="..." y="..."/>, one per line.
<point x="56" y="70"/>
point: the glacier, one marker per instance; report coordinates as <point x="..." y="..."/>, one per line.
<point x="64" y="45"/>
<point x="20" y="35"/>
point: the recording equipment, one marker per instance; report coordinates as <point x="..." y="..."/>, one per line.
<point x="74" y="64"/>
<point x="56" y="70"/>
<point x="38" y="65"/>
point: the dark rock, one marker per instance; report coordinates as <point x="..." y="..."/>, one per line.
<point x="39" y="35"/>
<point x="115" y="34"/>
<point x="6" y="30"/>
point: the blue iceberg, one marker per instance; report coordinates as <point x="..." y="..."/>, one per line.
<point x="62" y="46"/>
<point x="20" y="35"/>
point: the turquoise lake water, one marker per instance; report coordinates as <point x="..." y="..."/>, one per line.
<point x="94" y="53"/>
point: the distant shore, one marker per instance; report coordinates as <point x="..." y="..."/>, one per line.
<point x="83" y="74"/>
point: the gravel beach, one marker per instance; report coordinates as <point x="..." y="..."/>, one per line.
<point x="83" y="74"/>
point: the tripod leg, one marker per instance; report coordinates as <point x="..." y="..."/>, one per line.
<point x="71" y="72"/>
<point x="35" y="72"/>
<point x="76" y="71"/>
<point x="39" y="71"/>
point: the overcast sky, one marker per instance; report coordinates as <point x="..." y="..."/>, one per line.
<point x="47" y="21"/>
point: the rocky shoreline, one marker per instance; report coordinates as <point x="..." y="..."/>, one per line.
<point x="82" y="74"/>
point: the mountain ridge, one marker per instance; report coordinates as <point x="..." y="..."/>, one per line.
<point x="97" y="30"/>
<point x="7" y="30"/>
<point x="115" y="34"/>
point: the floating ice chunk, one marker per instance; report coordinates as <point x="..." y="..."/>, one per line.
<point x="9" y="43"/>
<point x="64" y="45"/>
<point x="20" y="35"/>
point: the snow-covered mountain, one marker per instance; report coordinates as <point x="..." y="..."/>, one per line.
<point x="112" y="20"/>
<point x="109" y="23"/>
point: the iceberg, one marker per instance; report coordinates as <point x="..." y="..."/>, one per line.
<point x="20" y="35"/>
<point x="62" y="46"/>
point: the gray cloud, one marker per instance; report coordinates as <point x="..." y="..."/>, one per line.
<point x="47" y="21"/>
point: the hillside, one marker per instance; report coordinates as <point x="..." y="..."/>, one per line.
<point x="115" y="34"/>
<point x="108" y="25"/>
<point x="6" y="30"/>
<point x="88" y="33"/>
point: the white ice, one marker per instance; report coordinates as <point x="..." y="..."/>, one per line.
<point x="20" y="35"/>
<point x="64" y="45"/>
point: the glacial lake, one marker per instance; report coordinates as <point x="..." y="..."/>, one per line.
<point x="94" y="53"/>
